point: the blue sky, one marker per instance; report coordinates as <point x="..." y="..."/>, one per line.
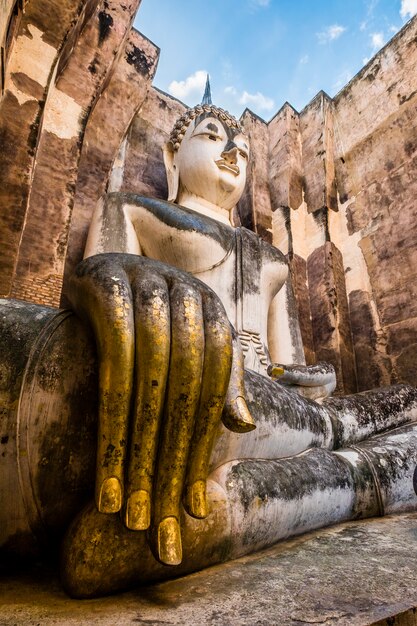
<point x="261" y="53"/>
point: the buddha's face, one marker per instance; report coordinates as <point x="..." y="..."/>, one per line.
<point x="212" y="160"/>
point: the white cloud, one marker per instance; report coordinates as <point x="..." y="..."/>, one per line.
<point x="331" y="33"/>
<point x="260" y="3"/>
<point x="377" y="40"/>
<point x="304" y="59"/>
<point x="256" y="101"/>
<point x="190" y="88"/>
<point x="408" y="8"/>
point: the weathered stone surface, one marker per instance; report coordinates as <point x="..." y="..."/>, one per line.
<point x="142" y="167"/>
<point x="105" y="132"/>
<point x="375" y="156"/>
<point x="298" y="268"/>
<point x="323" y="577"/>
<point x="316" y="126"/>
<point x="42" y="251"/>
<point x="255" y="205"/>
<point x="373" y="366"/>
<point x="285" y="171"/>
<point x="329" y="311"/>
<point x="47" y="371"/>
<point x="33" y="55"/>
<point x="402" y="345"/>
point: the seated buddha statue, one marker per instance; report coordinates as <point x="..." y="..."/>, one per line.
<point x="202" y="454"/>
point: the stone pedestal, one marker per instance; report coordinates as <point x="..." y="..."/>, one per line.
<point x="355" y="574"/>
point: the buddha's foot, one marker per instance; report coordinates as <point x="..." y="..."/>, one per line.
<point x="254" y="503"/>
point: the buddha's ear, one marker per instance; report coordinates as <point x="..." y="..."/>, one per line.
<point x="172" y="172"/>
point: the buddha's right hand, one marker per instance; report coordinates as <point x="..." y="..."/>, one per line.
<point x="168" y="366"/>
<point x="310" y="381"/>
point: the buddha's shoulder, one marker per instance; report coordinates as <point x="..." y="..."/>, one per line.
<point x="174" y="215"/>
<point x="259" y="247"/>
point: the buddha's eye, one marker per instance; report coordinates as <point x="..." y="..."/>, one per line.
<point x="212" y="137"/>
<point x="243" y="154"/>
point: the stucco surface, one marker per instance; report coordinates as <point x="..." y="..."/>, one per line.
<point x="351" y="575"/>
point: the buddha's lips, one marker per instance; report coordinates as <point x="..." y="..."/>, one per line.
<point x="221" y="163"/>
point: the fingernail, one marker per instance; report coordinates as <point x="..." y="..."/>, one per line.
<point x="236" y="416"/>
<point x="138" y="510"/>
<point x="197" y="500"/>
<point x="169" y="541"/>
<point x="245" y="419"/>
<point x="110" y="497"/>
<point x="275" y="371"/>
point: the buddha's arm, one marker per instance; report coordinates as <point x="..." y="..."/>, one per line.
<point x="284" y="337"/>
<point x="112" y="228"/>
<point x="286" y="350"/>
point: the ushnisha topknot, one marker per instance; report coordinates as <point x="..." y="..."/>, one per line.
<point x="184" y="121"/>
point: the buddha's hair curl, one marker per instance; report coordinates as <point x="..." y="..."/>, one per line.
<point x="184" y="121"/>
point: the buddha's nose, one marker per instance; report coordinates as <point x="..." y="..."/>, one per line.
<point x="230" y="153"/>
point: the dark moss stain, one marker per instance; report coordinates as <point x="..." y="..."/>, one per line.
<point x="274" y="403"/>
<point x="321" y="217"/>
<point x="178" y="217"/>
<point x="394" y="461"/>
<point x="48" y="373"/>
<point x="105" y="24"/>
<point x="251" y="261"/>
<point x="371" y="75"/>
<point x="410" y="147"/>
<point x="27" y="85"/>
<point x="289" y="479"/>
<point x="245" y="210"/>
<point x="286" y="213"/>
<point x="372" y="368"/>
<point x="19" y="326"/>
<point x="380" y="409"/>
<point x="350" y="218"/>
<point x="65" y="474"/>
<point x="64" y="477"/>
<point x="136" y="57"/>
<point x="404" y="99"/>
<point x="92" y="68"/>
<point x="34" y="129"/>
<point x="415" y="480"/>
<point x="406" y="366"/>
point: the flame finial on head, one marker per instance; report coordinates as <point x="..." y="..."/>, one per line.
<point x="207" y="93"/>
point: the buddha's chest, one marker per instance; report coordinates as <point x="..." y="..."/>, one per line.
<point x="244" y="271"/>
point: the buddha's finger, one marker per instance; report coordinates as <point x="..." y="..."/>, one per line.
<point x="236" y="415"/>
<point x="184" y="382"/>
<point x="152" y="327"/>
<point x="215" y="381"/>
<point x="102" y="294"/>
